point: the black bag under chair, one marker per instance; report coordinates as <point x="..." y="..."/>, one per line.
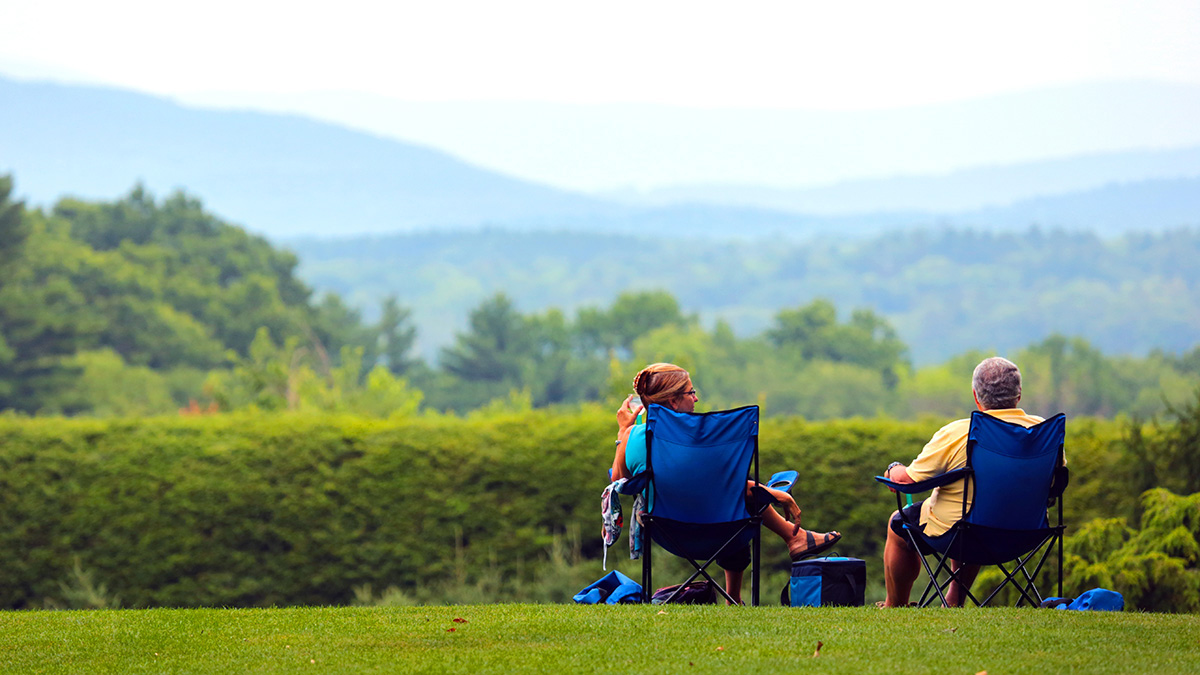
<point x="826" y="582"/>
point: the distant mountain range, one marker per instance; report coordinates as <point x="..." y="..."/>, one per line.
<point x="967" y="190"/>
<point x="284" y="176"/>
<point x="279" y="175"/>
<point x="605" y="147"/>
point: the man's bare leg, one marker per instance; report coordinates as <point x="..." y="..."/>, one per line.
<point x="900" y="569"/>
<point x="956" y="595"/>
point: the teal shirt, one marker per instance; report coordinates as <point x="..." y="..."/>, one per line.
<point x="635" y="450"/>
<point x="635" y="458"/>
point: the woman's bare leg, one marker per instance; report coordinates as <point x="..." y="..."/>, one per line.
<point x="794" y="536"/>
<point x="733" y="584"/>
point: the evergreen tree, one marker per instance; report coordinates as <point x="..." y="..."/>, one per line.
<point x="495" y="348"/>
<point x="397" y="336"/>
<point x="40" y="312"/>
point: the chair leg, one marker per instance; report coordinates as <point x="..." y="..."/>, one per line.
<point x="701" y="570"/>
<point x="994" y="590"/>
<point x="1030" y="586"/>
<point x="1059" y="533"/>
<point x="647" y="547"/>
<point x="945" y="564"/>
<point x="1049" y="544"/>
<point x="1027" y="588"/>
<point x="933" y="574"/>
<point x="755" y="564"/>
<point x="1060" y="564"/>
<point x="971" y="596"/>
<point x="944" y="585"/>
<point x="1011" y="576"/>
<point x="926" y="597"/>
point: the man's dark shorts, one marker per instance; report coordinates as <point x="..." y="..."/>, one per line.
<point x="913" y="513"/>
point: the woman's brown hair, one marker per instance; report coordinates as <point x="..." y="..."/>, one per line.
<point x="661" y="383"/>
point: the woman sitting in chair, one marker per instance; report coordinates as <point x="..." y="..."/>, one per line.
<point x="670" y="386"/>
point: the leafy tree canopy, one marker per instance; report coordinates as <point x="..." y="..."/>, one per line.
<point x="158" y="285"/>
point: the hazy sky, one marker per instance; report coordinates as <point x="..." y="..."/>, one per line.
<point x="789" y="53"/>
<point x="781" y="93"/>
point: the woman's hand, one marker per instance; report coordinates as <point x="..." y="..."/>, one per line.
<point x="791" y="510"/>
<point x="627" y="415"/>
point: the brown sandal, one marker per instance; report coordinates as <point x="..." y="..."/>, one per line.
<point x="813" y="548"/>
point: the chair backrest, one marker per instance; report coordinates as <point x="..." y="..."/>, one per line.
<point x="1013" y="470"/>
<point x="699" y="463"/>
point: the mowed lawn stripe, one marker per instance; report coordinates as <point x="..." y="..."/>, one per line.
<point x="600" y="639"/>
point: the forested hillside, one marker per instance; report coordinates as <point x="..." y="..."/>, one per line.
<point x="142" y="306"/>
<point x="945" y="291"/>
<point x="126" y="306"/>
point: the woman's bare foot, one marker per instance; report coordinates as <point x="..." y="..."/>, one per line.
<point x="807" y="543"/>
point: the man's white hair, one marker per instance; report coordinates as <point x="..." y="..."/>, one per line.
<point x="997" y="383"/>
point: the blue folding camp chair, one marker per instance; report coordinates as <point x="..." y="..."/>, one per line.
<point x="697" y="465"/>
<point x="1015" y="473"/>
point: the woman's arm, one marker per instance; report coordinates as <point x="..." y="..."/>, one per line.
<point x="791" y="510"/>
<point x="626" y="416"/>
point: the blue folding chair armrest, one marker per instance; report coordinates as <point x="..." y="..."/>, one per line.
<point x="925" y="485"/>
<point x="634" y="485"/>
<point x="762" y="498"/>
<point x="784" y="480"/>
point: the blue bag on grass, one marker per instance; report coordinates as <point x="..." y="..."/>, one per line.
<point x="826" y="582"/>
<point x="1097" y="600"/>
<point x="612" y="588"/>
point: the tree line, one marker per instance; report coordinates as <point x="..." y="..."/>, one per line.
<point x="945" y="290"/>
<point x="145" y="306"/>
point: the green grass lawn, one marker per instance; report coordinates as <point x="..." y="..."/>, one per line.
<point x="602" y="639"/>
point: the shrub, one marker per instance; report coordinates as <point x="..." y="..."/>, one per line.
<point x="1156" y="568"/>
<point x="285" y="509"/>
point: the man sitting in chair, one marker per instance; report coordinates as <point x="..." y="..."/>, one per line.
<point x="996" y="385"/>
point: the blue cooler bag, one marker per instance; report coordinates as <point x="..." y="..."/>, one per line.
<point x="826" y="582"/>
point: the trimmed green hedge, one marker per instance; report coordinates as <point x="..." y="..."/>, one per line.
<point x="289" y="509"/>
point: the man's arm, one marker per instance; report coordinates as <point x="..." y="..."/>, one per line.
<point x="898" y="473"/>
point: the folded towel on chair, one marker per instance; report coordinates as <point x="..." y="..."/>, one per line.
<point x="610" y="514"/>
